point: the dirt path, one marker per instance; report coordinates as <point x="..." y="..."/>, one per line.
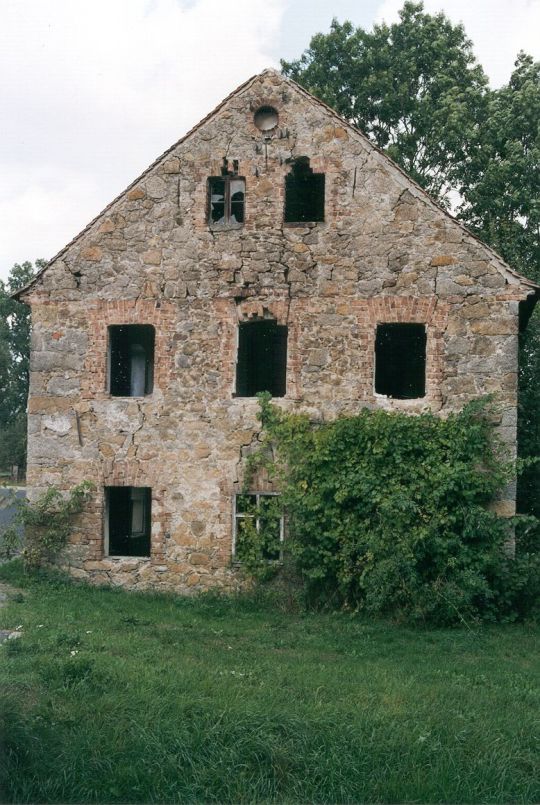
<point x="7" y="592"/>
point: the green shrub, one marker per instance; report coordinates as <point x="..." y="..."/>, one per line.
<point x="389" y="513"/>
<point x="45" y="523"/>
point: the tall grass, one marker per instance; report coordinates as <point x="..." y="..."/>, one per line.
<point x="117" y="697"/>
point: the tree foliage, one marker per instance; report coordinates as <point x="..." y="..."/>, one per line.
<point x="14" y="365"/>
<point x="500" y="180"/>
<point x="414" y="87"/>
<point x="529" y="419"/>
<point x="390" y="513"/>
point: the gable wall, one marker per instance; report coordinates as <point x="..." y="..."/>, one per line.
<point x="383" y="254"/>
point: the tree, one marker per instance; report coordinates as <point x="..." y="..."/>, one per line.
<point x="414" y="87"/>
<point x="14" y="365"/>
<point x="500" y="181"/>
<point x="528" y="497"/>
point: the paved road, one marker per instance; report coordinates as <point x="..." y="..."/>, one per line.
<point x="7" y="511"/>
<point x="7" y="508"/>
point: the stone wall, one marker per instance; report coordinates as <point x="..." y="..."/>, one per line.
<point x="384" y="253"/>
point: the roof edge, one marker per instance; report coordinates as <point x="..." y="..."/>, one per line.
<point x="502" y="265"/>
<point x="526" y="309"/>
<point x="147" y="170"/>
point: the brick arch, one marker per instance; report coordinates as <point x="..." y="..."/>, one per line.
<point x="138" y="473"/>
<point x="406" y="309"/>
<point x="231" y="313"/>
<point x="249" y="309"/>
<point x="103" y="313"/>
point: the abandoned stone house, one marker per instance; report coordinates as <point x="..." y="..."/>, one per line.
<point x="272" y="248"/>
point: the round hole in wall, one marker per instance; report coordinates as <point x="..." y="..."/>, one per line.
<point x="266" y="118"/>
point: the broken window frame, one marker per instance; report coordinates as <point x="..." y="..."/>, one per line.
<point x="226" y="221"/>
<point x="143" y="496"/>
<point x="302" y="172"/>
<point x="120" y="379"/>
<point x="236" y="516"/>
<point x="245" y="385"/>
<point x="380" y="375"/>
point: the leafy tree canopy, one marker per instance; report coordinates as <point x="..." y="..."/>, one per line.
<point x="414" y="87"/>
<point x="14" y="364"/>
<point x="500" y="180"/>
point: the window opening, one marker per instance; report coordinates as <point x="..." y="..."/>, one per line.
<point x="262" y="358"/>
<point x="226" y="196"/>
<point x="131" y="359"/>
<point x="304" y="193"/>
<point x="400" y="360"/>
<point x="128" y="520"/>
<point x="266" y="118"/>
<point x="258" y="512"/>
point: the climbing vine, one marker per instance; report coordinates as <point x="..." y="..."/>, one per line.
<point x="390" y="513"/>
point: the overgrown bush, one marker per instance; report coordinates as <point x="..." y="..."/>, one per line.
<point x="390" y="513"/>
<point x="43" y="525"/>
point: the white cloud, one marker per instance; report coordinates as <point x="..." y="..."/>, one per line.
<point x="42" y="209"/>
<point x="498" y="29"/>
<point x="92" y="91"/>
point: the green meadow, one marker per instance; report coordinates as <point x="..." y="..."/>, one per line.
<point x="114" y="697"/>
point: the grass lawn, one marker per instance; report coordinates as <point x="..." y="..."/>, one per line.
<point x="116" y="697"/>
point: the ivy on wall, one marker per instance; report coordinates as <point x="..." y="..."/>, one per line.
<point x="41" y="529"/>
<point x="390" y="513"/>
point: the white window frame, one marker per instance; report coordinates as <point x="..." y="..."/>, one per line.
<point x="236" y="517"/>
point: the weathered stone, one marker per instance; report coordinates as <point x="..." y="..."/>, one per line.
<point x="383" y="254"/>
<point x="59" y="424"/>
<point x="317" y="357"/>
<point x="443" y="260"/>
<point x="152" y="257"/>
<point x="172" y="165"/>
<point x="92" y="253"/>
<point x="155" y="187"/>
<point x="501" y="326"/>
<point x="63" y="386"/>
<point x="199" y="559"/>
<point x="135" y="194"/>
<point x="504" y="508"/>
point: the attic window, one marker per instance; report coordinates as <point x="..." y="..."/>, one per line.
<point x="131" y="360"/>
<point x="266" y="118"/>
<point x="262" y="358"/>
<point x="226" y="200"/>
<point x="128" y="520"/>
<point x="304" y="193"/>
<point x="400" y="361"/>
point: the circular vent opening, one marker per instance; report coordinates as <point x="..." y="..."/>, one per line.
<point x="266" y="118"/>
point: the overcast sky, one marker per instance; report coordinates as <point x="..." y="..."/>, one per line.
<point x="92" y="91"/>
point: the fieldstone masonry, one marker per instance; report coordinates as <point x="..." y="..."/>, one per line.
<point x="384" y="253"/>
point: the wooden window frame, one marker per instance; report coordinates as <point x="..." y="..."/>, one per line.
<point x="227" y="222"/>
<point x="239" y="516"/>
